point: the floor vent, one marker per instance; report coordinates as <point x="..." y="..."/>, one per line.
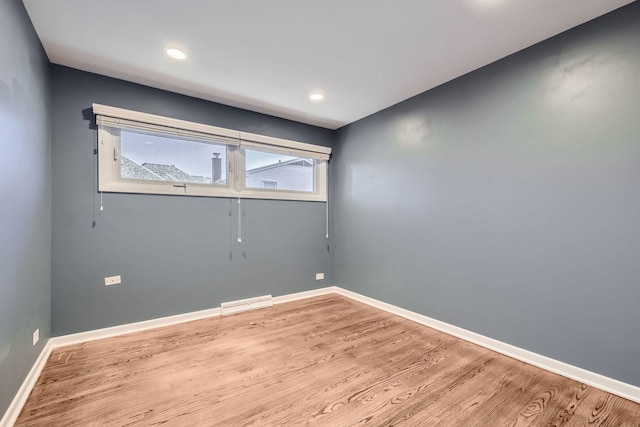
<point x="246" y="304"/>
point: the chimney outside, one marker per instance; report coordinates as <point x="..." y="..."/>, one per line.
<point x="216" y="167"/>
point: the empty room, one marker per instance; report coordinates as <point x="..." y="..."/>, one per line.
<point x="251" y="213"/>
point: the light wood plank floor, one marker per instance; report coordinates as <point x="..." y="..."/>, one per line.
<point x="326" y="361"/>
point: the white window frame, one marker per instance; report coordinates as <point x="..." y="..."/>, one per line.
<point x="319" y="175"/>
<point x="111" y="119"/>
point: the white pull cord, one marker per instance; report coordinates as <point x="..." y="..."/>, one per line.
<point x="327" y="206"/>
<point x="239" y="221"/>
<point x="101" y="206"/>
<point x="327" y="216"/>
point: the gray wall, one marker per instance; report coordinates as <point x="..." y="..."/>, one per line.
<point x="25" y="198"/>
<point x="507" y="201"/>
<point x="175" y="254"/>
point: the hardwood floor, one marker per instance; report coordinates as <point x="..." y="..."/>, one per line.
<point x="326" y="361"/>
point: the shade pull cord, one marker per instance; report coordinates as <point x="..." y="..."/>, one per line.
<point x="327" y="217"/>
<point x="239" y="221"/>
<point x="101" y="206"/>
<point x="327" y="207"/>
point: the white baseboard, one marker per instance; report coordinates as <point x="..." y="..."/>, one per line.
<point x="607" y="384"/>
<point x="115" y="331"/>
<point x="305" y="294"/>
<point x="21" y="396"/>
<point x="128" y="328"/>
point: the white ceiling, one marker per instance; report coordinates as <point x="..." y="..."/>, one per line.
<point x="267" y="56"/>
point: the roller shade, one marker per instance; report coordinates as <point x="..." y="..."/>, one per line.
<point x="127" y="119"/>
<point x="143" y="122"/>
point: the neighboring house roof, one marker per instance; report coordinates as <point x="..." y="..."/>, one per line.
<point x="172" y="173"/>
<point x="130" y="169"/>
<point x="292" y="175"/>
<point x="292" y="162"/>
<point x="158" y="172"/>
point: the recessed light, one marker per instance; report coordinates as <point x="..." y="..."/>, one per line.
<point x="175" y="53"/>
<point x="316" y="97"/>
<point x="489" y="3"/>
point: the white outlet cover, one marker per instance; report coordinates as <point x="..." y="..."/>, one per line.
<point x="319" y="276"/>
<point x="112" y="280"/>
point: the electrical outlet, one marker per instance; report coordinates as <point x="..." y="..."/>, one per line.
<point x="112" y="280"/>
<point x="36" y="336"/>
<point x="319" y="276"/>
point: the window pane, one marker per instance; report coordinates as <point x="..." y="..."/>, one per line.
<point x="161" y="158"/>
<point x="277" y="171"/>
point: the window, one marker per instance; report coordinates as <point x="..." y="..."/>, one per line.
<point x="160" y="158"/>
<point x="144" y="153"/>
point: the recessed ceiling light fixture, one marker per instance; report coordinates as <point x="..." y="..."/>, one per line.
<point x="489" y="3"/>
<point x="175" y="53"/>
<point x="316" y="96"/>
